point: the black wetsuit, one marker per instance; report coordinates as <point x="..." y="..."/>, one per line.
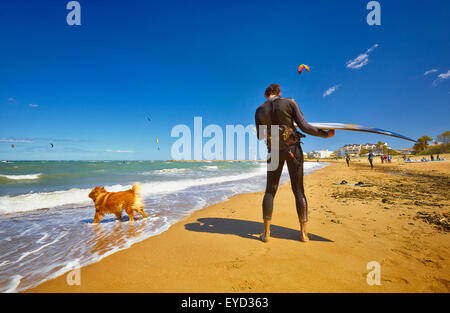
<point x="347" y="159"/>
<point x="287" y="112"/>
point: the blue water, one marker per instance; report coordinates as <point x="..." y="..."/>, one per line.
<point x="46" y="214"/>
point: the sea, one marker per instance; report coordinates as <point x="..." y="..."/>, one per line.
<point x="46" y="215"/>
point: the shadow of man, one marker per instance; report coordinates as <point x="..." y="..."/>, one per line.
<point x="246" y="229"/>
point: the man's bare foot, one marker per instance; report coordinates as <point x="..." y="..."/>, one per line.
<point x="304" y="237"/>
<point x="303" y="232"/>
<point x="265" y="237"/>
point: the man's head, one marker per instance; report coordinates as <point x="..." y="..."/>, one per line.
<point x="272" y="90"/>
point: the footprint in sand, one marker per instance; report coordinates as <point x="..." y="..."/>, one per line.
<point x="393" y="279"/>
<point x="402" y="253"/>
<point x="231" y="265"/>
<point x="245" y="285"/>
<point x="431" y="263"/>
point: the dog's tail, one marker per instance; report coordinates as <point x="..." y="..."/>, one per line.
<point x="137" y="189"/>
<point x="138" y="202"/>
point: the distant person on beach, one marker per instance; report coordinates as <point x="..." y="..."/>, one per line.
<point x="438" y="158"/>
<point x="432" y="157"/>
<point x="347" y="159"/>
<point x="382" y="159"/>
<point x="284" y="112"/>
<point x="370" y="158"/>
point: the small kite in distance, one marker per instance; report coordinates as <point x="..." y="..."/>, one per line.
<point x="301" y="67"/>
<point x="12" y="145"/>
<point x="52" y="145"/>
<point x="149" y="119"/>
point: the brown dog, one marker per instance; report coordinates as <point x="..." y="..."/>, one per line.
<point x="116" y="202"/>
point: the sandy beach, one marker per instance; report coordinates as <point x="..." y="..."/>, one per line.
<point x="400" y="222"/>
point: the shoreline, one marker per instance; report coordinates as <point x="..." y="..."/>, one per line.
<point x="216" y="248"/>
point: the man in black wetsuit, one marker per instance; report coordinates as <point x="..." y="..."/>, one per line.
<point x="286" y="112"/>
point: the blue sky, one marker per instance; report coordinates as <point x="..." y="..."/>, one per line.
<point x="89" y="88"/>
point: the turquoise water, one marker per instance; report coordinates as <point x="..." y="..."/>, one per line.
<point x="46" y="214"/>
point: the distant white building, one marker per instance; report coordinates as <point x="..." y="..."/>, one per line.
<point x="355" y="149"/>
<point x="319" y="154"/>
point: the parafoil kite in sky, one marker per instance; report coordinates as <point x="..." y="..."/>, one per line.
<point x="301" y="67"/>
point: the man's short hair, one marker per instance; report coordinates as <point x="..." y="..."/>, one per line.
<point x="273" y="89"/>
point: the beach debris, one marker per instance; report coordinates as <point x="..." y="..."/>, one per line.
<point x="343" y="182"/>
<point x="358" y="184"/>
<point x="441" y="221"/>
<point x="301" y="67"/>
<point x="362" y="184"/>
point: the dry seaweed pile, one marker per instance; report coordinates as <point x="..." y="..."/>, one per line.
<point x="441" y="221"/>
<point x="417" y="191"/>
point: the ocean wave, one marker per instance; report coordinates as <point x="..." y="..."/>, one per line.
<point x="167" y="171"/>
<point x="79" y="197"/>
<point x="22" y="177"/>
<point x="210" y="167"/>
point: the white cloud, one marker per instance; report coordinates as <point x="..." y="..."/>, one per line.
<point x="120" y="151"/>
<point x="430" y="71"/>
<point x="15" y="140"/>
<point x="362" y="59"/>
<point x="330" y="90"/>
<point x="33" y="105"/>
<point x="442" y="77"/>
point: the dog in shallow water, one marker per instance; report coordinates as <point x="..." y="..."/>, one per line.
<point x="115" y="202"/>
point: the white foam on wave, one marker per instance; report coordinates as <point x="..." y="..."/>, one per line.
<point x="25" y="254"/>
<point x="22" y="177"/>
<point x="14" y="283"/>
<point x="75" y="196"/>
<point x="167" y="171"/>
<point x="79" y="197"/>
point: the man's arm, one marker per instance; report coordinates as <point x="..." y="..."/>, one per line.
<point x="257" y="123"/>
<point x="303" y="124"/>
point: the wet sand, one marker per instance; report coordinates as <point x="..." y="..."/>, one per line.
<point x="400" y="222"/>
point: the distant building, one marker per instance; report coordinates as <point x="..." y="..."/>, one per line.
<point x="355" y="149"/>
<point x="319" y="154"/>
<point x="406" y="151"/>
